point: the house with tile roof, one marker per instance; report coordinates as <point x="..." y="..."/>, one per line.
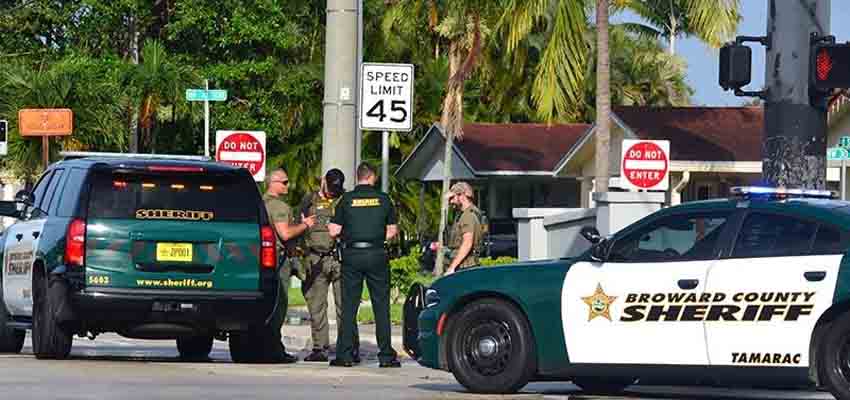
<point x="541" y="166"/>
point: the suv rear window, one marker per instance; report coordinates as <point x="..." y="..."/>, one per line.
<point x="207" y="197"/>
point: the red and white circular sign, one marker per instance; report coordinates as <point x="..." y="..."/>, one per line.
<point x="645" y="164"/>
<point x="245" y="149"/>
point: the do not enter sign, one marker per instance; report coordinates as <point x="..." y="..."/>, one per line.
<point x="645" y="164"/>
<point x="244" y="149"/>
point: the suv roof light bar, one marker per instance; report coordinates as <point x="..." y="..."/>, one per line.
<point x="769" y="193"/>
<point x="68" y="155"/>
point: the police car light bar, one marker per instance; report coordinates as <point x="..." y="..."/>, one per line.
<point x="80" y="154"/>
<point x="780" y="193"/>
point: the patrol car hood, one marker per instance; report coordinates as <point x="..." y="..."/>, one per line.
<point x="484" y="277"/>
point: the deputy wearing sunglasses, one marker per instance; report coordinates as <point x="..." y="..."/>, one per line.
<point x="277" y="186"/>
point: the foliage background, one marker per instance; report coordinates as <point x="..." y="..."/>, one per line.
<point x="269" y="55"/>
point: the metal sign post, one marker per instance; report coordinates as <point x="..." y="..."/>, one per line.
<point x="385" y="161"/>
<point x="840" y="154"/>
<point x="206" y="95"/>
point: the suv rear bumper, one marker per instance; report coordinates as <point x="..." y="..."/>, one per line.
<point x="131" y="310"/>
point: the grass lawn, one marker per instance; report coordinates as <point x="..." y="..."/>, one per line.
<point x="365" y="315"/>
<point x="296" y="299"/>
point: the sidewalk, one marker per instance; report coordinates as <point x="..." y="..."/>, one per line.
<point x="297" y="337"/>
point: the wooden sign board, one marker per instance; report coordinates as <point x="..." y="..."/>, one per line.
<point x="46" y="122"/>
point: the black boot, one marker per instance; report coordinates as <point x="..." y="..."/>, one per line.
<point x="317" y="355"/>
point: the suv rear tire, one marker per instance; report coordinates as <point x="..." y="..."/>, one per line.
<point x="195" y="348"/>
<point x="11" y="340"/>
<point x="50" y="339"/>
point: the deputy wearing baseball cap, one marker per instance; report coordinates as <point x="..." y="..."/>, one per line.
<point x="466" y="234"/>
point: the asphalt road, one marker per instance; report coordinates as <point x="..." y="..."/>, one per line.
<point x="112" y="367"/>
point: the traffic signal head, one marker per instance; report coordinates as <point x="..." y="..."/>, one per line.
<point x="830" y="66"/>
<point x="735" y="66"/>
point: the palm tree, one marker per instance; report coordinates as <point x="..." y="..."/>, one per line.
<point x="713" y="21"/>
<point x="155" y="78"/>
<point x="76" y="82"/>
<point x="603" y="98"/>
<point x="559" y="78"/>
<point x="463" y="24"/>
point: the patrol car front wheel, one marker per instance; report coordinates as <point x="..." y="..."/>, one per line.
<point x="50" y="339"/>
<point x="490" y="347"/>
<point x="834" y="359"/>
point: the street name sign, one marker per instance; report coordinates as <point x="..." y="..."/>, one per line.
<point x="386" y="97"/>
<point x="206" y="95"/>
<point x="837" y="154"/>
<point x="244" y="149"/>
<point x="645" y="164"/>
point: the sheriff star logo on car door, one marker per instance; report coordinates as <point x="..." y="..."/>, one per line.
<point x="599" y="304"/>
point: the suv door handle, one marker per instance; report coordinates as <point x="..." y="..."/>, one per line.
<point x="814" y="276"/>
<point x="688" y="284"/>
<point x="35" y="235"/>
<point x="19" y="236"/>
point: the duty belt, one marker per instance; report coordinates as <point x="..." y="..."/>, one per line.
<point x="361" y="245"/>
<point x="322" y="253"/>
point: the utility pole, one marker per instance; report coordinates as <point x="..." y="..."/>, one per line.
<point x="794" y="142"/>
<point x="339" y="131"/>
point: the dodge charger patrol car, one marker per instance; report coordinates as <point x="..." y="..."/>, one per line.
<point x="148" y="247"/>
<point x="753" y="290"/>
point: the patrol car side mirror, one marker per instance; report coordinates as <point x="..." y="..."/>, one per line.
<point x="25" y="197"/>
<point x="591" y="234"/>
<point x="11" y="209"/>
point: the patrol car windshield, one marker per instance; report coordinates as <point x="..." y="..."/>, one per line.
<point x="160" y="196"/>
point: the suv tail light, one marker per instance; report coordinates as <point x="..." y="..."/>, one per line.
<point x="268" y="250"/>
<point x="75" y="243"/>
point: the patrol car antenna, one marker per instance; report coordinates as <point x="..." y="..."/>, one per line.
<point x="768" y="193"/>
<point x="68" y="155"/>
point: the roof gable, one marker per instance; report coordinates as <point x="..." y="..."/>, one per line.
<point x="700" y="133"/>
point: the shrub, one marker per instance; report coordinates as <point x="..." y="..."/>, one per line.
<point x="487" y="261"/>
<point x="404" y="272"/>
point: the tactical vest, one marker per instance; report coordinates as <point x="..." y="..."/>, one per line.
<point x="318" y="238"/>
<point x="455" y="238"/>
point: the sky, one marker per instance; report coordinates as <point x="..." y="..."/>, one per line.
<point x="703" y="61"/>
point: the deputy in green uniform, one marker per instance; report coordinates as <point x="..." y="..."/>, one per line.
<point x="365" y="218"/>
<point x="323" y="268"/>
<point x="277" y="184"/>
<point x="465" y="235"/>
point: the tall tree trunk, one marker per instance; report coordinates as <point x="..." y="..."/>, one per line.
<point x="603" y="98"/>
<point x="451" y="122"/>
<point x="671" y="46"/>
<point x="134" y="105"/>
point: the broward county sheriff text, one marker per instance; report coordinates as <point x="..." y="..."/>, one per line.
<point x="742" y="306"/>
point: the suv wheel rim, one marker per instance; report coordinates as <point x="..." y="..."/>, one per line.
<point x="487" y="347"/>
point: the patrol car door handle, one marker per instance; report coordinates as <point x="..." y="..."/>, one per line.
<point x="19" y="236"/>
<point x="35" y="235"/>
<point x="688" y="284"/>
<point x="815" y="276"/>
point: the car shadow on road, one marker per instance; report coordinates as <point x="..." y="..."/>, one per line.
<point x="572" y="392"/>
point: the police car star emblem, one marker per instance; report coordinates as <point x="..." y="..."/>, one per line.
<point x="599" y="304"/>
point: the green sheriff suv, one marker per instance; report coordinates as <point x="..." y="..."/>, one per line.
<point x="749" y="291"/>
<point x="149" y="247"/>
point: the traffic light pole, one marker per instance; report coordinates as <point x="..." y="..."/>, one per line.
<point x="794" y="141"/>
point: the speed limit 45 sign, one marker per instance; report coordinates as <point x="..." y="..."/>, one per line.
<point x="386" y="97"/>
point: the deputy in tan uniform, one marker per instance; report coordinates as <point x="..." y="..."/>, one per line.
<point x="277" y="186"/>
<point x="465" y="235"/>
<point x="322" y="265"/>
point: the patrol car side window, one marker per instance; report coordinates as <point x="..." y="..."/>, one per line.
<point x="673" y="238"/>
<point x="41" y="188"/>
<point x="829" y="240"/>
<point x="772" y="235"/>
<point x="52" y="193"/>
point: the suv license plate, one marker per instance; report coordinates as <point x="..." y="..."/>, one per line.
<point x="174" y="252"/>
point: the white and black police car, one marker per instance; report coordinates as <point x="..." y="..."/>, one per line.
<point x="753" y="290"/>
